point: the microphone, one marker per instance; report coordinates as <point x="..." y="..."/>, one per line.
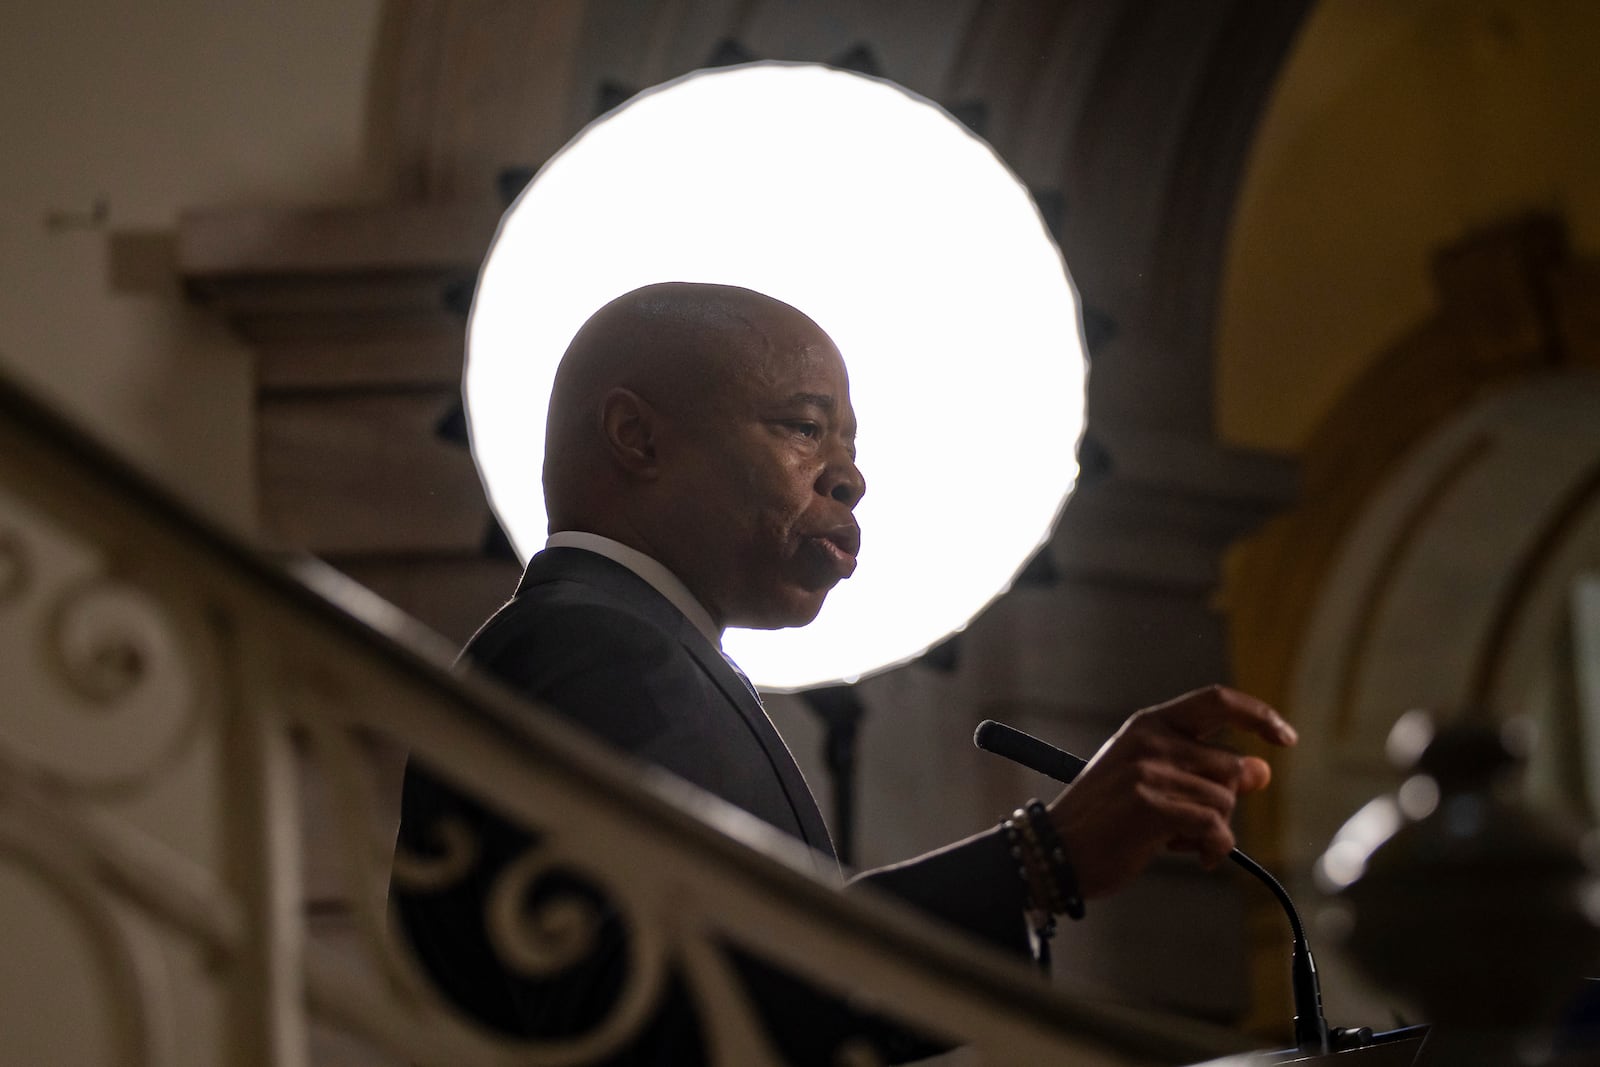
<point x="1310" y="1027"/>
<point x="1036" y="755"/>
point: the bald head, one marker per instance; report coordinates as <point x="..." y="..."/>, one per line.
<point x="710" y="427"/>
<point x="676" y="345"/>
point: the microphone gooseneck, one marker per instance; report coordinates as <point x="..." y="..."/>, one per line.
<point x="1310" y="1027"/>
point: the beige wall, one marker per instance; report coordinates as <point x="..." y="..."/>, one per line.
<point x="1395" y="128"/>
<point x="159" y="107"/>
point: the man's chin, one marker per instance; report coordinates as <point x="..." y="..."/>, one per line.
<point x="791" y="611"/>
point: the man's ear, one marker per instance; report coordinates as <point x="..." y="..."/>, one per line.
<point x="629" y="426"/>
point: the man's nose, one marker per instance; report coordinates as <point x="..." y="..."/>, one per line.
<point x="842" y="480"/>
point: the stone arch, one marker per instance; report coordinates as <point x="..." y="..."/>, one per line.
<point x="1509" y="305"/>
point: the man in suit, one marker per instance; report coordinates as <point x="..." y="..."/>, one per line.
<point x="700" y="473"/>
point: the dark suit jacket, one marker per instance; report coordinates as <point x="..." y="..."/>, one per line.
<point x="598" y="644"/>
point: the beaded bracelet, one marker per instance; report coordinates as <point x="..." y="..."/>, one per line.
<point x="1063" y="878"/>
<point x="1033" y="855"/>
<point x="1042" y="862"/>
<point x="1031" y="874"/>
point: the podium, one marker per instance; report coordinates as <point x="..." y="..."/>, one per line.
<point x="1411" y="1047"/>
<point x="1393" y="1048"/>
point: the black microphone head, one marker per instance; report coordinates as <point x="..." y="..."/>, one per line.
<point x="981" y="734"/>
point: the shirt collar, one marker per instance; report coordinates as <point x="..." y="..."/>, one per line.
<point x="651" y="571"/>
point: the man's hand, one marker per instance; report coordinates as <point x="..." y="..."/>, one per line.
<point x="1162" y="783"/>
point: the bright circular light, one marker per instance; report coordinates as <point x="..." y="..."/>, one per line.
<point x="904" y="237"/>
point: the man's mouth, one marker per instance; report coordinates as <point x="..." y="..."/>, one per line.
<point x="839" y="546"/>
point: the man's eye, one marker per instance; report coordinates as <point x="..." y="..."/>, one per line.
<point x="806" y="429"/>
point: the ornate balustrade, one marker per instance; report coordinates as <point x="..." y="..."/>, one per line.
<point x="170" y="697"/>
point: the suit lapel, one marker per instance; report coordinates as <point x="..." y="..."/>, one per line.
<point x="801" y="800"/>
<point x="612" y="577"/>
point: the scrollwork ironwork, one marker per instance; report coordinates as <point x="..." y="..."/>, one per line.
<point x="544" y="937"/>
<point x="538" y="937"/>
<point x="109" y="676"/>
<point x="108" y="639"/>
<point x="128" y="704"/>
<point x="534" y="931"/>
<point x="458" y="852"/>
